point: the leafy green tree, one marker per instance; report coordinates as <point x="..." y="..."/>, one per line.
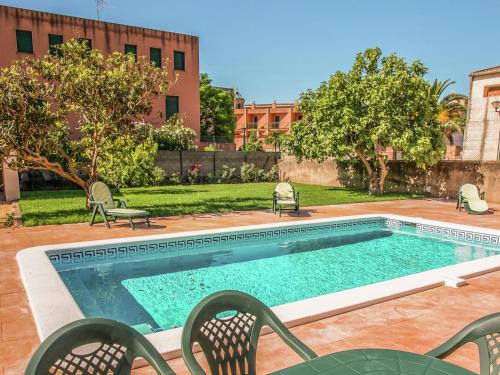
<point x="276" y="139"/>
<point x="174" y="136"/>
<point x="128" y="160"/>
<point x="381" y="102"/>
<point x="253" y="143"/>
<point x="106" y="95"/>
<point x="217" y="110"/>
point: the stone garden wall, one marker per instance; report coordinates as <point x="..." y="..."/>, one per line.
<point x="212" y="162"/>
<point x="442" y="180"/>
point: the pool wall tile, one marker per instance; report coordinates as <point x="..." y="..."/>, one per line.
<point x="64" y="259"/>
<point x="70" y="258"/>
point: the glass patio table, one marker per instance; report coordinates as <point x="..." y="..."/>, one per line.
<point x="375" y="362"/>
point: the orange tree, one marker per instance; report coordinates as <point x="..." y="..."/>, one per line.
<point x="105" y="95"/>
<point x="381" y="102"/>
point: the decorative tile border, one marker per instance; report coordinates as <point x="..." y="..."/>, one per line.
<point x="68" y="258"/>
<point x="445" y="232"/>
<point x="459" y="235"/>
<point x="64" y="259"/>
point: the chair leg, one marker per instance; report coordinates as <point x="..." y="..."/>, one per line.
<point x="94" y="213"/>
<point x="147" y="221"/>
<point x="131" y="223"/>
<point x="280" y="210"/>
<point x="105" y="218"/>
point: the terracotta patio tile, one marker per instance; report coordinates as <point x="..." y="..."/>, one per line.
<point x="18" y="328"/>
<point x="13" y="299"/>
<point x="15" y="354"/>
<point x="400" y="324"/>
<point x="11" y="285"/>
<point x="13" y="312"/>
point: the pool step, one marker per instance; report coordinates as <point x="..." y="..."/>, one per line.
<point x="454" y="282"/>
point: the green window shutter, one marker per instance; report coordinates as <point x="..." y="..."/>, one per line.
<point x="55" y="40"/>
<point x="131" y="48"/>
<point x="172" y="106"/>
<point x="179" y="60"/>
<point x="24" y="41"/>
<point x="155" y="56"/>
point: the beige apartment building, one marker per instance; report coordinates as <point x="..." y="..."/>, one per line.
<point x="482" y="133"/>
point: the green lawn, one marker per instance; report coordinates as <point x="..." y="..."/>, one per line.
<point x="68" y="206"/>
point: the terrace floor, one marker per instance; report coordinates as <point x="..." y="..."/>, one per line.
<point x="416" y="322"/>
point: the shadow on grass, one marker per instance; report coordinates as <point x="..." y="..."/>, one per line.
<point x="139" y="191"/>
<point x="32" y="218"/>
<point x="52" y="194"/>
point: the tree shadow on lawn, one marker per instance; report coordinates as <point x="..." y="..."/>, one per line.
<point x="52" y="194"/>
<point x="146" y="192"/>
<point x="207" y="206"/>
<point x="364" y="193"/>
<point x="41" y="217"/>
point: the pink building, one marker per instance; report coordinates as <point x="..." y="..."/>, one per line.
<point x="263" y="119"/>
<point x="28" y="33"/>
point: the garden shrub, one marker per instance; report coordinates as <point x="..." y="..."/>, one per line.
<point x="174" y="179"/>
<point x="126" y="163"/>
<point x="274" y="174"/>
<point x="211" y="179"/>
<point x="227" y="175"/>
<point x="174" y="136"/>
<point x="209" y="148"/>
<point x="250" y="173"/>
<point x="193" y="174"/>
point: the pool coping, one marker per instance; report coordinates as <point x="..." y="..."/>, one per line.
<point x="37" y="272"/>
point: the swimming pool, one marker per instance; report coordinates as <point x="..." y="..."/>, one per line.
<point x="153" y="282"/>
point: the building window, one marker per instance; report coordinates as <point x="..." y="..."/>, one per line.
<point x="238" y="106"/>
<point x="155" y="56"/>
<point x="24" y="41"/>
<point x="299" y="117"/>
<point x="492" y="91"/>
<point x="54" y="41"/>
<point x="172" y="106"/>
<point x="255" y="119"/>
<point x="131" y="48"/>
<point x="277" y="119"/>
<point x="87" y="42"/>
<point x="179" y="60"/>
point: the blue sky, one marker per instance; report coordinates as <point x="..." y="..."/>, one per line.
<point x="275" y="49"/>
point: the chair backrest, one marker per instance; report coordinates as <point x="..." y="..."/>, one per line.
<point x="99" y="191"/>
<point x="485" y="333"/>
<point x="469" y="192"/>
<point x="285" y="191"/>
<point x="227" y="326"/>
<point x="94" y="346"/>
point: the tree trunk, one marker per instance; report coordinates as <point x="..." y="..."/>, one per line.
<point x="87" y="197"/>
<point x="377" y="179"/>
<point x="376" y="176"/>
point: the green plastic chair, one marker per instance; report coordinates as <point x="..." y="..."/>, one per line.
<point x="485" y="333"/>
<point x="227" y="326"/>
<point x="94" y="346"/>
<point x="285" y="195"/>
<point x="103" y="202"/>
<point x="472" y="200"/>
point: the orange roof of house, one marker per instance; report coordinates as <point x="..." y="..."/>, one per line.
<point x="494" y="69"/>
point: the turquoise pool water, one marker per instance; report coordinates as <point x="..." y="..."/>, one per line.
<point x="160" y="291"/>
